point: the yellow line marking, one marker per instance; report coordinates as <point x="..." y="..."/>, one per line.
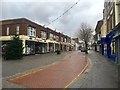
<point x="77" y="75"/>
<point x="31" y="71"/>
<point x="53" y="63"/>
<point x="25" y="74"/>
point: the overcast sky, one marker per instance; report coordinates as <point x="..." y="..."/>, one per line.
<point x="43" y="12"/>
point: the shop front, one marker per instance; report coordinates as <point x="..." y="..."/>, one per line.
<point x="103" y="46"/>
<point x="51" y="47"/>
<point x="117" y="42"/>
<point x="110" y="46"/>
<point x="40" y="47"/>
<point x="113" y="44"/>
<point x="29" y="47"/>
<point x="57" y="47"/>
<point x="98" y="46"/>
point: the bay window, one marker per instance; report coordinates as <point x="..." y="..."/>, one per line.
<point x="31" y="31"/>
<point x="43" y="35"/>
<point x="51" y="36"/>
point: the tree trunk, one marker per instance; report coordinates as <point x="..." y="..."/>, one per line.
<point x="86" y="47"/>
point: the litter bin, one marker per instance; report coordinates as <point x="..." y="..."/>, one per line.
<point x="58" y="52"/>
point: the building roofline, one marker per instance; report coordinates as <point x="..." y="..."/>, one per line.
<point x="26" y="19"/>
<point x="99" y="24"/>
<point x="35" y="24"/>
<point x="5" y="20"/>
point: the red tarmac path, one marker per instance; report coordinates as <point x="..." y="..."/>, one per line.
<point x="58" y="75"/>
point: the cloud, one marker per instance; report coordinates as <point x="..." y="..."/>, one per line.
<point x="89" y="11"/>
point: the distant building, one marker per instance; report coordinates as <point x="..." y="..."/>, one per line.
<point x="98" y="31"/>
<point x="75" y="43"/>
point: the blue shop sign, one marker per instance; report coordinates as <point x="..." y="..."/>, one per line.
<point x="116" y="30"/>
<point x="109" y="37"/>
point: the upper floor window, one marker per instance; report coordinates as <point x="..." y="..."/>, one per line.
<point x="57" y="38"/>
<point x="43" y="34"/>
<point x="7" y="31"/>
<point x="54" y="37"/>
<point x="69" y="40"/>
<point x="51" y="36"/>
<point x="17" y="30"/>
<point x="62" y="39"/>
<point x="65" y="40"/>
<point x="31" y="31"/>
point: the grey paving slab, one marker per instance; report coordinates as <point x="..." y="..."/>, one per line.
<point x="101" y="73"/>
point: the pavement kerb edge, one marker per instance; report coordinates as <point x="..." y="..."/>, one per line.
<point x="28" y="72"/>
<point x="31" y="71"/>
<point x="76" y="78"/>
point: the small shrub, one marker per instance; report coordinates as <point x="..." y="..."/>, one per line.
<point x="14" y="50"/>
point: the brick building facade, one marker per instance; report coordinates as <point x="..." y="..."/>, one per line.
<point x="35" y="38"/>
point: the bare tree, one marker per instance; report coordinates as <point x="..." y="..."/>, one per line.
<point x="85" y="33"/>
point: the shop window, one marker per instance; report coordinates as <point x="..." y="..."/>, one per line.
<point x="113" y="47"/>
